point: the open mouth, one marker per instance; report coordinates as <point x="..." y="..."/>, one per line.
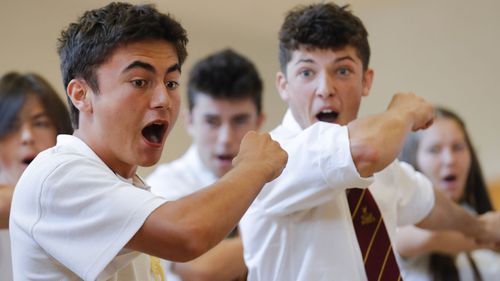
<point x="225" y="157"/>
<point x="450" y="178"/>
<point x="28" y="160"/>
<point x="327" y="115"/>
<point x="154" y="132"/>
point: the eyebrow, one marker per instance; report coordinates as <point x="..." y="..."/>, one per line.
<point x="336" y="60"/>
<point x="345" y="58"/>
<point x="148" y="67"/>
<point x="140" y="64"/>
<point x="39" y="115"/>
<point x="304" y="60"/>
<point x="173" y="68"/>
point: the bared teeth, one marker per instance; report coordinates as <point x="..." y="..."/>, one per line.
<point x="326" y="111"/>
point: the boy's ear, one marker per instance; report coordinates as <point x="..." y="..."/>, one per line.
<point x="367" y="81"/>
<point x="281" y="84"/>
<point x="78" y="92"/>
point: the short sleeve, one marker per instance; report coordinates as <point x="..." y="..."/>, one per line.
<point x="87" y="215"/>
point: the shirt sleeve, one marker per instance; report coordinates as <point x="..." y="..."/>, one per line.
<point x="319" y="167"/>
<point x="416" y="194"/>
<point x="87" y="215"/>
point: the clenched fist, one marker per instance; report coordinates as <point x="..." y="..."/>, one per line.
<point x="420" y="111"/>
<point x="258" y="151"/>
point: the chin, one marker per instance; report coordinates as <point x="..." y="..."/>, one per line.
<point x="221" y="172"/>
<point x="149" y="162"/>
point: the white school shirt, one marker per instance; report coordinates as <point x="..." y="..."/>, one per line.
<point x="71" y="217"/>
<point x="5" y="259"/>
<point x="487" y="262"/>
<point x="300" y="228"/>
<point x="178" y="179"/>
<point x="181" y="177"/>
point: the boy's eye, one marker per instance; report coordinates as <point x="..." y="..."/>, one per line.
<point x="139" y="83"/>
<point x="171" y="85"/>
<point x="343" y="71"/>
<point x="306" y="73"/>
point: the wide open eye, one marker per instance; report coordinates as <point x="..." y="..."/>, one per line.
<point x="172" y="85"/>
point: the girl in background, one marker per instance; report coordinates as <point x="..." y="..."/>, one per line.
<point x="444" y="153"/>
<point x="31" y="116"/>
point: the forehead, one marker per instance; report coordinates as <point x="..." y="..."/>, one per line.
<point x="442" y="130"/>
<point x="317" y="55"/>
<point x="159" y="53"/>
<point x="206" y="104"/>
<point x="32" y="105"/>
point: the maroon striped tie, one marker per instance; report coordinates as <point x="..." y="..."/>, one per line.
<point x="380" y="263"/>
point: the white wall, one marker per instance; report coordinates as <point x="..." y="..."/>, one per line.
<point x="446" y="51"/>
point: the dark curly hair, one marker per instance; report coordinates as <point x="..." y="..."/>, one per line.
<point x="225" y="75"/>
<point x="89" y="42"/>
<point x="323" y="26"/>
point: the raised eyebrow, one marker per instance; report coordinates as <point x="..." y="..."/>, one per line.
<point x="140" y="64"/>
<point x="304" y="60"/>
<point x="241" y="116"/>
<point x="345" y="58"/>
<point x="210" y="116"/>
<point x="173" y="68"/>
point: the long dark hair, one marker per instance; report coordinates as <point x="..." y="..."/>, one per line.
<point x="15" y="88"/>
<point x="442" y="267"/>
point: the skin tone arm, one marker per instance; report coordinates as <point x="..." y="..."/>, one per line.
<point x="446" y="215"/>
<point x="184" y="229"/>
<point x="222" y="263"/>
<point x="414" y="241"/>
<point x="6" y="192"/>
<point x="373" y="150"/>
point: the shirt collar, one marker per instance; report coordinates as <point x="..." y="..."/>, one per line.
<point x="290" y="123"/>
<point x="77" y="145"/>
<point x="206" y="176"/>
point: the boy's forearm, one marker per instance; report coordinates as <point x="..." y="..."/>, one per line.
<point x="376" y="140"/>
<point x="447" y="215"/>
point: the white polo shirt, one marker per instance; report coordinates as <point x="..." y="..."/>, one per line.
<point x="71" y="217"/>
<point x="300" y="226"/>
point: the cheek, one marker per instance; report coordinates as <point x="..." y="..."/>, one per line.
<point x="46" y="139"/>
<point x="6" y="158"/>
<point x="8" y="150"/>
<point x="204" y="135"/>
<point x="240" y="134"/>
<point x="466" y="162"/>
<point x="428" y="165"/>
